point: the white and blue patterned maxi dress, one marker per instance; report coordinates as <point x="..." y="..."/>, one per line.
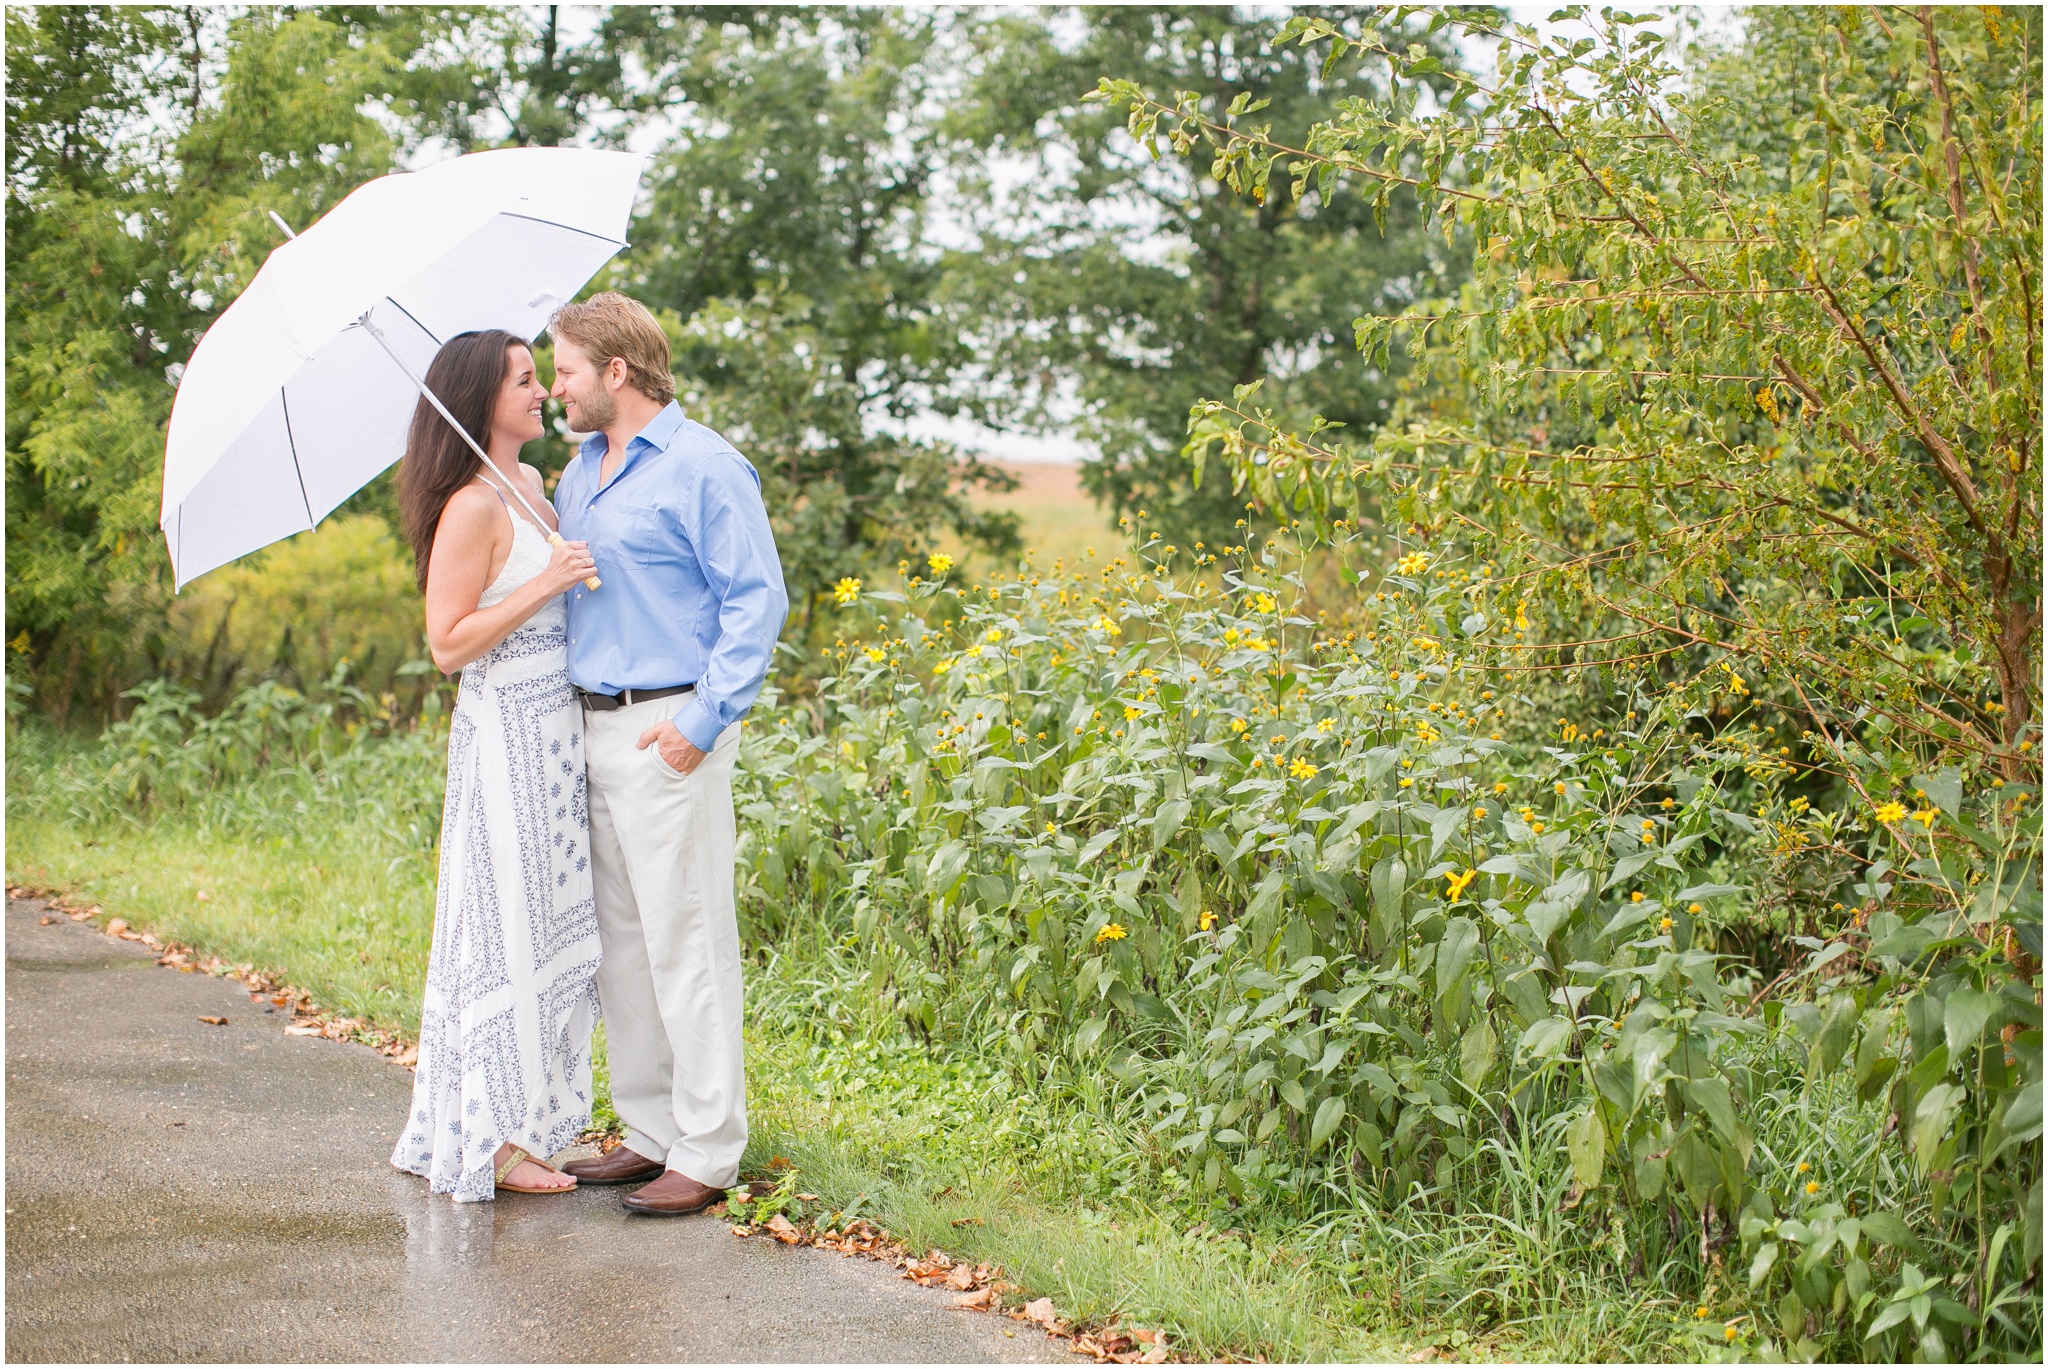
<point x="511" y="991"/>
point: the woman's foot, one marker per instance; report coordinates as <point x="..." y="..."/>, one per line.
<point x="529" y="1175"/>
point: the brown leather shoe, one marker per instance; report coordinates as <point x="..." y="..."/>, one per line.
<point x="672" y="1195"/>
<point x="622" y="1166"/>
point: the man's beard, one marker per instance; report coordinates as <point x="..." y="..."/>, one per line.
<point x="595" y="410"/>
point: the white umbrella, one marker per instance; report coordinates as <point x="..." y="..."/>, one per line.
<point x="302" y="390"/>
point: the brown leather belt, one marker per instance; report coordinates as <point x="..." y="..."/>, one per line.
<point x="626" y="698"/>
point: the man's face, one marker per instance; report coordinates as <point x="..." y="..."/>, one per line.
<point x="582" y="387"/>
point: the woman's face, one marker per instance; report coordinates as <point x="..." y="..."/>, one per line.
<point x="518" y="412"/>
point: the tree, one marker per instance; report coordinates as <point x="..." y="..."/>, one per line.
<point x="1134" y="287"/>
<point x="789" y="238"/>
<point x="145" y="147"/>
<point x="1770" y="397"/>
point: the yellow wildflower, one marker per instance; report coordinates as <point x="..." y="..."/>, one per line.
<point x="876" y="654"/>
<point x="1208" y="919"/>
<point x="1113" y="932"/>
<point x="1301" y="769"/>
<point x="1812" y="1187"/>
<point x="1636" y="896"/>
<point x="1108" y="624"/>
<point x="943" y="666"/>
<point x="1414" y="563"/>
<point x="1500" y="788"/>
<point x="1926" y="816"/>
<point x="939" y="562"/>
<point x="846" y="591"/>
<point x="1261" y="602"/>
<point x="1239" y="726"/>
<point x="1891" y="812"/>
<point x="1480" y="811"/>
<point x="1455" y="884"/>
<point x="1132" y="714"/>
<point x="1558" y="787"/>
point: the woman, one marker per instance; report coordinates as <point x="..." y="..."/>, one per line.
<point x="504" y="1061"/>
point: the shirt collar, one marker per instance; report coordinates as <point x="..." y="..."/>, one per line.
<point x="660" y="430"/>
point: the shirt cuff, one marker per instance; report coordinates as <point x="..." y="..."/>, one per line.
<point x="696" y="723"/>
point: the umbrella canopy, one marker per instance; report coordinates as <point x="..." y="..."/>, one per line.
<point x="289" y="404"/>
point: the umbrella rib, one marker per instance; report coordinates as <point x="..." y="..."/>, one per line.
<point x="285" y="401"/>
<point x="570" y="227"/>
<point x="415" y="322"/>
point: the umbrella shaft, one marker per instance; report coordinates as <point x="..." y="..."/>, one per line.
<point x="554" y="538"/>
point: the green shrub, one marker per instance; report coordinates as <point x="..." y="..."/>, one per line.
<point x="1290" y="896"/>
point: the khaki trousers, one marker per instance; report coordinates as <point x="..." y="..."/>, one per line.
<point x="662" y="849"/>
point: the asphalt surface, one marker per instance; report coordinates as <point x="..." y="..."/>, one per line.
<point x="182" y="1191"/>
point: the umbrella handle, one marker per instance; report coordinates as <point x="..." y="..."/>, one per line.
<point x="591" y="581"/>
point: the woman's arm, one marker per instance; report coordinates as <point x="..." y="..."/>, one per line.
<point x="459" y="571"/>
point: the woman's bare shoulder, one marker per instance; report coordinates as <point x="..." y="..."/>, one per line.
<point x="472" y="513"/>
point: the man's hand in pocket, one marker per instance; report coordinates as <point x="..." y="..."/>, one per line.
<point x="674" y="748"/>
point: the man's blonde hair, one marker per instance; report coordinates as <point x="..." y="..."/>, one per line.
<point x="611" y="325"/>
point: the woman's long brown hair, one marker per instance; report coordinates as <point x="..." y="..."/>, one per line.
<point x="467" y="374"/>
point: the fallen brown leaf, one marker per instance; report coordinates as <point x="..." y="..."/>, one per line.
<point x="1040" y="1310"/>
<point x="117" y="926"/>
<point x="783" y="1231"/>
<point x="48" y="920"/>
<point x="980" y="1300"/>
<point x="214" y="1021"/>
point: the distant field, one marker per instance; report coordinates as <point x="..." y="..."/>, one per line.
<point x="1058" y="518"/>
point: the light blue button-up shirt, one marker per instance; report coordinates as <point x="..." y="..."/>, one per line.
<point x="692" y="588"/>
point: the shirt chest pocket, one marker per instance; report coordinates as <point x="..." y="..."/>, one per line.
<point x="646" y="536"/>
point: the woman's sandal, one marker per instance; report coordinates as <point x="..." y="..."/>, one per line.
<point x="519" y="1157"/>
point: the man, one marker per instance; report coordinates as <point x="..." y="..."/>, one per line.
<point x="667" y="656"/>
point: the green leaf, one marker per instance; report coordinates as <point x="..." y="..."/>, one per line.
<point x="1963" y="1018"/>
<point x="1888" y="1228"/>
<point x="1291" y="1092"/>
<point x="1168" y="820"/>
<point x="1546" y="1039"/>
<point x="1327" y="1117"/>
<point x="1476" y="1051"/>
<point x="1712" y="1097"/>
<point x="2023" y="1115"/>
<point x="1586" y="1139"/>
<point x="1837" y="1029"/>
<point x="1545" y="916"/>
<point x="1454" y="953"/>
<point x="1760" y="1267"/>
<point x="946" y="866"/>
<point x="1944" y="788"/>
<point x="1930" y="1123"/>
<point x="1627" y="866"/>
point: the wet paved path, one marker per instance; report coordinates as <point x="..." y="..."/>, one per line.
<point x="180" y="1191"/>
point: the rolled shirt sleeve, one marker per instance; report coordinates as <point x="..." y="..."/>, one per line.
<point x="736" y="551"/>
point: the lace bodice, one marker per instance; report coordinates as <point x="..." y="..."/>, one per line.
<point x="528" y="558"/>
